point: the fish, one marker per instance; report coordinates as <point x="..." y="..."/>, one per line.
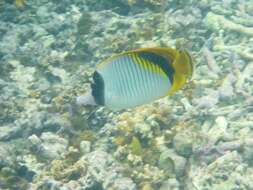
<point x="137" y="77"/>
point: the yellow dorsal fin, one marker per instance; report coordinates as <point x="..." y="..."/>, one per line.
<point x="168" y="53"/>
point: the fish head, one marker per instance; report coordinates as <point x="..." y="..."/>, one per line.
<point x="183" y="64"/>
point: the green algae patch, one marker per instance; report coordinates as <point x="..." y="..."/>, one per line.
<point x="78" y="122"/>
<point x="64" y="170"/>
<point x="86" y="135"/>
<point x="135" y="146"/>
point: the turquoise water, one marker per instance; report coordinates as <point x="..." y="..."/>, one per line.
<point x="198" y="139"/>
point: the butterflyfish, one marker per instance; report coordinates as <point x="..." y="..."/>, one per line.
<point x="138" y="77"/>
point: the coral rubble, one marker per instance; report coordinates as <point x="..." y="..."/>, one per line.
<point x="200" y="138"/>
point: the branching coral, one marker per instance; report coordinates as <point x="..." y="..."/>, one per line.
<point x="218" y="22"/>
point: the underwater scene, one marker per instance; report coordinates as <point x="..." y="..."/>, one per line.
<point x="126" y="95"/>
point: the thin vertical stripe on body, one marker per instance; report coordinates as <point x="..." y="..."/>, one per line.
<point x="121" y="83"/>
<point x="145" y="76"/>
<point x="139" y="76"/>
<point x="116" y="73"/>
<point x="131" y="80"/>
<point x="144" y="87"/>
<point x="129" y="75"/>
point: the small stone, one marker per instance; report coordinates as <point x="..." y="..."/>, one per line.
<point x="219" y="129"/>
<point x="208" y="101"/>
<point x="23" y="171"/>
<point x="2" y="83"/>
<point x="170" y="161"/>
<point x="221" y="122"/>
<point x="9" y="132"/>
<point x="170" y="184"/>
<point x="144" y="130"/>
<point x="183" y="144"/>
<point x="147" y="186"/>
<point x="34" y="139"/>
<point x="7" y="171"/>
<point x="124" y="183"/>
<point x="52" y="146"/>
<point x="229" y="146"/>
<point x="166" y="163"/>
<point x="73" y="184"/>
<point x="53" y="184"/>
<point x="226" y="90"/>
<point x="107" y="171"/>
<point x="248" y="155"/>
<point x="46" y="99"/>
<point x="85" y="146"/>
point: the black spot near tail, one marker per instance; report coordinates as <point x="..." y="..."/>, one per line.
<point x="98" y="88"/>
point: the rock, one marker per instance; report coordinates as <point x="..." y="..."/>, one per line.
<point x="89" y="182"/>
<point x="224" y="173"/>
<point x="218" y="130"/>
<point x="208" y="101"/>
<point x="144" y="130"/>
<point x="124" y="183"/>
<point x="85" y="147"/>
<point x="2" y="84"/>
<point x="84" y="24"/>
<point x="9" y="42"/>
<point x="123" y="7"/>
<point x="24" y="172"/>
<point x="49" y="146"/>
<point x="73" y="185"/>
<point x="221" y="122"/>
<point x="7" y="171"/>
<point x="59" y="74"/>
<point x="166" y="163"/>
<point x="183" y="144"/>
<point x="107" y="171"/>
<point x="9" y="132"/>
<point x="30" y="167"/>
<point x="170" y="162"/>
<point x="34" y="140"/>
<point x="51" y="184"/>
<point x="229" y="146"/>
<point x="5" y="156"/>
<point x="170" y="184"/>
<point x="42" y="13"/>
<point x="210" y="59"/>
<point x="226" y="90"/>
<point x="55" y="123"/>
<point x="248" y="155"/>
<point x="187" y="105"/>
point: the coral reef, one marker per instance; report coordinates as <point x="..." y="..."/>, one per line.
<point x="198" y="139"/>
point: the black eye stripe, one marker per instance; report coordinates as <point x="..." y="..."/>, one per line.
<point x="98" y="88"/>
